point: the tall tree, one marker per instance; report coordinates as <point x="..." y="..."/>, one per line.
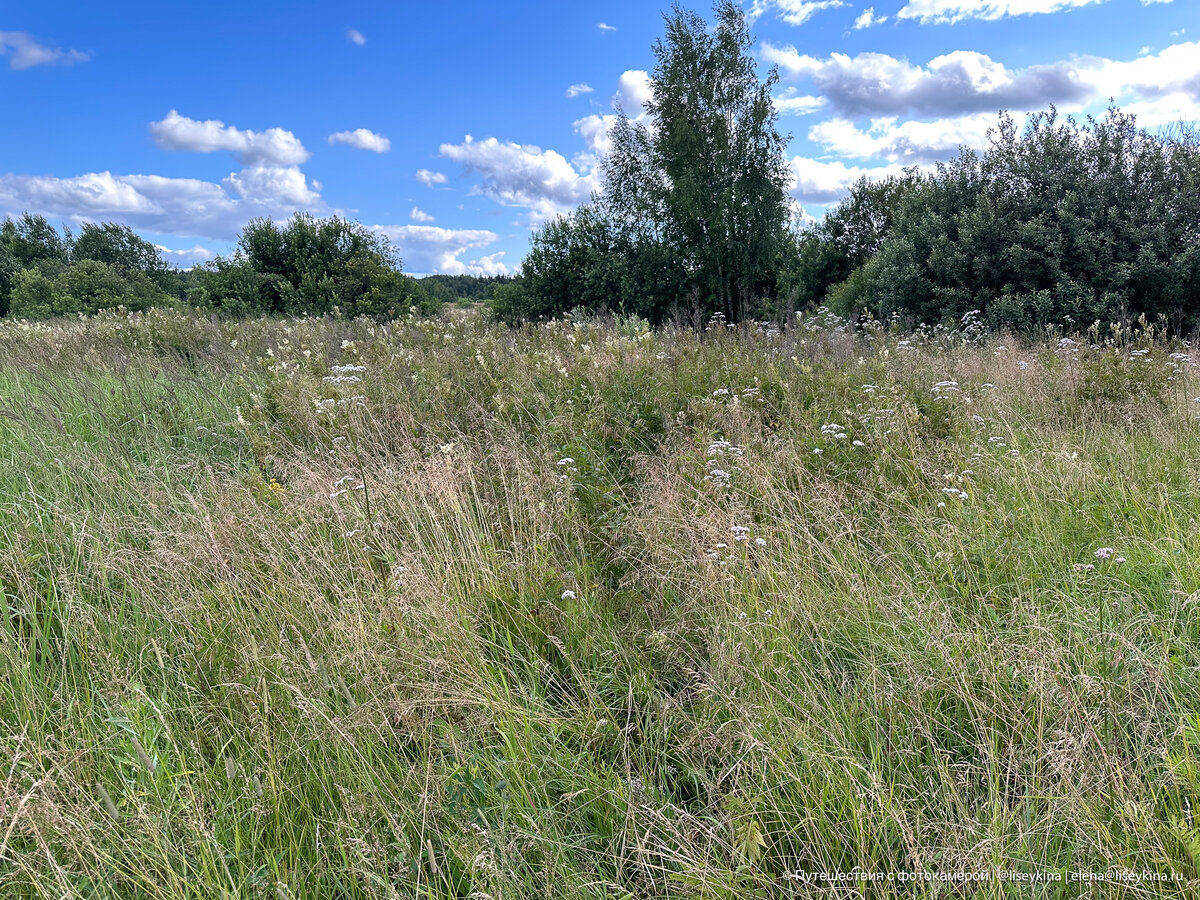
<point x="119" y="247"/>
<point x="708" y="176"/>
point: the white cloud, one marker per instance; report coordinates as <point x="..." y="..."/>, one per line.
<point x="192" y="256"/>
<point x="362" y="139"/>
<point x="180" y="206"/>
<point x="522" y="175"/>
<point x="275" y="145"/>
<point x="576" y="89"/>
<point x="633" y="92"/>
<point x="24" y="52"/>
<point x="430" y="179"/>
<point x="951" y="11"/>
<point x="604" y="27"/>
<point x="868" y="18"/>
<point x="355" y="36"/>
<point x="419" y="215"/>
<point x="791" y="104"/>
<point x="965" y="81"/>
<point x="428" y="248"/>
<point x="277" y="186"/>
<point x="909" y="143"/>
<point x="817" y="182"/>
<point x="793" y="12"/>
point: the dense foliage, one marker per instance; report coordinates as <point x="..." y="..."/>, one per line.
<point x="693" y="216"/>
<point x="46" y="273"/>
<point x="462" y="288"/>
<point x="309" y="266"/>
<point x="1065" y="222"/>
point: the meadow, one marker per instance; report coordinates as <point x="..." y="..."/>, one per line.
<point x="319" y="608"/>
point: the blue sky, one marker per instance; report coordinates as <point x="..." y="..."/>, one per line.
<point x="457" y="127"/>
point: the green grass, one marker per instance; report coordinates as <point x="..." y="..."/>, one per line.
<point x="479" y="624"/>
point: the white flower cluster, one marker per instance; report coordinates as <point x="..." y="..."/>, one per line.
<point x="715" y="467"/>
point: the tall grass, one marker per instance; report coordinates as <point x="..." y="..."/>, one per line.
<point x="316" y="608"/>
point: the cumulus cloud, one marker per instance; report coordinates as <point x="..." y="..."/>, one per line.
<point x="817" y="182"/>
<point x="24" y="52"/>
<point x="355" y="36"/>
<point x="868" y="18"/>
<point x="180" y="206"/>
<point x="789" y="103"/>
<point x="362" y="139"/>
<point x="428" y="249"/>
<point x="951" y="11"/>
<point x="283" y="186"/>
<point x="960" y="82"/>
<point x="185" y="258"/>
<point x="793" y="12"/>
<point x="522" y="175"/>
<point x="273" y="146"/>
<point x="965" y="81"/>
<point x="419" y="215"/>
<point x="908" y="143"/>
<point x="605" y="27"/>
<point x="430" y="179"/>
<point x="633" y="92"/>
<point x="576" y="89"/>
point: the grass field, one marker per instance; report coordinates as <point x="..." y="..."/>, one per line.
<point x="441" y="609"/>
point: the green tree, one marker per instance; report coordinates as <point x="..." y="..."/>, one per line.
<point x="313" y="266"/>
<point x="119" y="247"/>
<point x="34" y="296"/>
<point x="693" y="217"/>
<point x="9" y="267"/>
<point x="31" y="239"/>
<point x="710" y="178"/>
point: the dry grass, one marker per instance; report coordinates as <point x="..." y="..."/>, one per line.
<point x="498" y="614"/>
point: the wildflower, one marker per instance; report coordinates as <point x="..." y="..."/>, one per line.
<point x="568" y="595"/>
<point x="721" y="392"/>
<point x="1083" y="567"/>
<point x="1119" y="560"/>
<point x="857" y="444"/>
<point x="742" y="616"/>
<point x="565" y="461"/>
<point x="818" y="451"/>
<point x="1104" y="553"/>
<point x="760" y="542"/>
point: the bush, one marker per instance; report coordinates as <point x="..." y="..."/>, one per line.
<point x="34" y="296"/>
<point x="1065" y="222"/>
<point x="310" y="266"/>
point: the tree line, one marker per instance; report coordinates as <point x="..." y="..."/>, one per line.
<point x="1062" y="221"/>
<point x="305" y="266"/>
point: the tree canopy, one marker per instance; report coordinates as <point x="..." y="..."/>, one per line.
<point x="308" y="266"/>
<point x="693" y="215"/>
<point x="1064" y="222"/>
